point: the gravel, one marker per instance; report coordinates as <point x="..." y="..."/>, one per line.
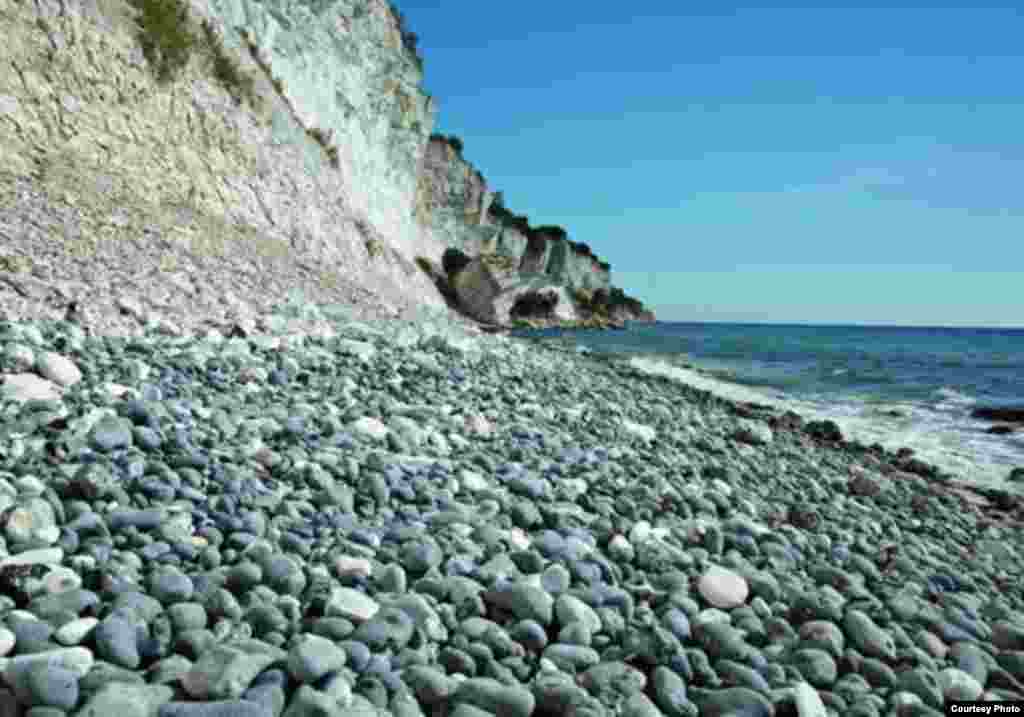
<point x="407" y="519"/>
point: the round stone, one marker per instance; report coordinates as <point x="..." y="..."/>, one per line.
<point x="313" y="657"/>
<point x="116" y="641"/>
<point x="959" y="686"/>
<point x="347" y="566"/>
<point x="351" y="604"/>
<point x="816" y="667"/>
<point x="723" y="588"/>
<point x="53" y="686"/>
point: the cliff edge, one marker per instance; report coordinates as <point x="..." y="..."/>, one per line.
<point x="505" y="270"/>
<point x="295" y="133"/>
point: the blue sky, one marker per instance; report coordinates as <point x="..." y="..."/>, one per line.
<point x="816" y="163"/>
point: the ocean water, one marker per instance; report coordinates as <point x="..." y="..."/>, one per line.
<point x="899" y="386"/>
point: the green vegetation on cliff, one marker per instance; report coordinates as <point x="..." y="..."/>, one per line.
<point x="168" y="39"/>
<point x="608" y="303"/>
<point x="452" y="140"/>
<point x="546" y="232"/>
<point x="502" y="215"/>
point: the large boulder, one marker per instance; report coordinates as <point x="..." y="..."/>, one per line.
<point x="491" y="286"/>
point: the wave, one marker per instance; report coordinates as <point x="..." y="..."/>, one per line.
<point x="777" y="381"/>
<point x="860" y="376"/>
<point x="702" y="380"/>
<point x="952" y="400"/>
<point x="953" y="395"/>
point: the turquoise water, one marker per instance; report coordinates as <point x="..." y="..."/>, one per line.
<point x="913" y="384"/>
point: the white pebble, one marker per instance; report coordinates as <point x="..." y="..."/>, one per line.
<point x="723" y="588"/>
<point x="958" y="685"/>
<point x="808" y="701"/>
<point x="640" y="532"/>
<point x="351" y="605"/>
<point x="370" y="427"/>
<point x="348" y="566"/>
<point x="518" y="539"/>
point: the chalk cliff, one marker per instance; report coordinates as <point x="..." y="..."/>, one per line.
<point x="456" y="202"/>
<point x="455" y="199"/>
<point x="302" y="125"/>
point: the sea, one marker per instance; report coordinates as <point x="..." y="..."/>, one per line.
<point x="912" y="387"/>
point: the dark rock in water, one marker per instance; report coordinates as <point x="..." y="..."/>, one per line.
<point x="1016" y="474"/>
<point x="1001" y="430"/>
<point x="824" y="430"/>
<point x="1008" y="414"/>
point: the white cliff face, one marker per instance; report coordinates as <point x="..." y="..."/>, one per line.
<point x="576" y="269"/>
<point x="296" y="127"/>
<point x="319" y="157"/>
<point x="453" y="199"/>
<point x="342" y="69"/>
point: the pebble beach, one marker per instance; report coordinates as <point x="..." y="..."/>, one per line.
<point x="410" y="518"/>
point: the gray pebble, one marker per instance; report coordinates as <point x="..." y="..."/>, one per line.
<point x="53" y="687"/>
<point x="313" y="656"/>
<point x="221" y="708"/>
<point x="117" y="641"/>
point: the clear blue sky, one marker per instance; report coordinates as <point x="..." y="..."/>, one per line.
<point x="817" y="164"/>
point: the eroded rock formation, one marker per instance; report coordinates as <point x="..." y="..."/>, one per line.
<point x="303" y="125"/>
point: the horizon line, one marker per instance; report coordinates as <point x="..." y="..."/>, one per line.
<point x="1016" y="327"/>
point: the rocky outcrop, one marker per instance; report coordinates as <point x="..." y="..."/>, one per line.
<point x="515" y="260"/>
<point x="491" y="287"/>
<point x="568" y="263"/>
<point x="302" y="125"/>
<point x="297" y="130"/>
<point x="454" y="200"/>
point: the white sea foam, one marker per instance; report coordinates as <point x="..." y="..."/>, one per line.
<point x="945" y="438"/>
<point x="727" y="390"/>
<point x="953" y="400"/>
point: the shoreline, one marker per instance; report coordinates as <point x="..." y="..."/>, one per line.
<point x="1004" y="503"/>
<point x="350" y="514"/>
<point x="1001" y="501"/>
<point x="949" y="443"/>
